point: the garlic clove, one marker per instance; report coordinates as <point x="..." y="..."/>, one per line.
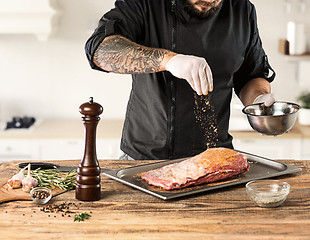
<point x="20" y="175"/>
<point x="14" y="183"/>
<point x="26" y="188"/>
<point x="29" y="182"/>
<point x="16" y="180"/>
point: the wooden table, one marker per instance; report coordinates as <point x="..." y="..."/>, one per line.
<point x="127" y="213"/>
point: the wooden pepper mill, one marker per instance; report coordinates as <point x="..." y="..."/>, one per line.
<point x="88" y="171"/>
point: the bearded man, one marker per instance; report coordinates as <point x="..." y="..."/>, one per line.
<point x="185" y="57"/>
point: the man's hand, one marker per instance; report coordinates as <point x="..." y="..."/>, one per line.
<point x="267" y="99"/>
<point x="195" y="70"/>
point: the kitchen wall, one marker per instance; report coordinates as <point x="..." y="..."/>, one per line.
<point x="51" y="79"/>
<point x="272" y="20"/>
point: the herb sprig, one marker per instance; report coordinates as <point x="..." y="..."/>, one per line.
<point x="81" y="216"/>
<point x="54" y="177"/>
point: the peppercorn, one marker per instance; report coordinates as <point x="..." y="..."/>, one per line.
<point x="40" y="195"/>
<point x="63" y="208"/>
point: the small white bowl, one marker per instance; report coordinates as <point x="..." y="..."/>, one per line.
<point x="41" y="195"/>
<point x="267" y="193"/>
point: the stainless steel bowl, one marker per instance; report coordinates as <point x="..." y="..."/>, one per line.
<point x="274" y="120"/>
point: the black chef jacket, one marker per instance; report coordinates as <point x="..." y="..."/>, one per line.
<point x="165" y="118"/>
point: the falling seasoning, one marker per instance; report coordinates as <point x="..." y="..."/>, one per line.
<point x="205" y="116"/>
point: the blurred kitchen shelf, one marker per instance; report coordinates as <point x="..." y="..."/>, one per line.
<point x="28" y="17"/>
<point x="59" y="139"/>
<point x="300" y="61"/>
<point x="63" y="139"/>
<point x="65" y="128"/>
<point x="297" y="58"/>
<point x="291" y="145"/>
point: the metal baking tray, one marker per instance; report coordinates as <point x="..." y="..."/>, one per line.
<point x="260" y="168"/>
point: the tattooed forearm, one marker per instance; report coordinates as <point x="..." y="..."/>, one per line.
<point x="120" y="55"/>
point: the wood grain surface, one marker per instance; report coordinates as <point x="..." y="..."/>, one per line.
<point x="127" y="213"/>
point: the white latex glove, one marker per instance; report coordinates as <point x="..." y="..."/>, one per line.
<point x="195" y="70"/>
<point x="267" y="99"/>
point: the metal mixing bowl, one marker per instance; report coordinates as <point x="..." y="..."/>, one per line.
<point x="274" y="120"/>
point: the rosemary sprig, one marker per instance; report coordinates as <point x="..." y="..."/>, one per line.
<point x="81" y="216"/>
<point x="49" y="177"/>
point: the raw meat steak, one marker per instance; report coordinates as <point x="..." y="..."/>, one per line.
<point x="209" y="166"/>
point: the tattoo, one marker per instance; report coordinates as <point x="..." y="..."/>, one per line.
<point x="120" y="55"/>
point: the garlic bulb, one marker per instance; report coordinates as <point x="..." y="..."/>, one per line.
<point x="16" y="180"/>
<point x="29" y="182"/>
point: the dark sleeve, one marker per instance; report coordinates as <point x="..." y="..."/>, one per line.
<point x="255" y="64"/>
<point x="125" y="19"/>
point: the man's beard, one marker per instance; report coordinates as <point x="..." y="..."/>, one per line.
<point x="193" y="11"/>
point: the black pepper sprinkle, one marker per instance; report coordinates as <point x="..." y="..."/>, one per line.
<point x="65" y="209"/>
<point x="40" y="195"/>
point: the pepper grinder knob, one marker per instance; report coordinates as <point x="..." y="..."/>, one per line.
<point x="88" y="172"/>
<point x="91" y="108"/>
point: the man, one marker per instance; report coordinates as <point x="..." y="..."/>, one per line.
<point x="185" y="57"/>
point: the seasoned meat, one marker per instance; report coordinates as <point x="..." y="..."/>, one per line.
<point x="211" y="165"/>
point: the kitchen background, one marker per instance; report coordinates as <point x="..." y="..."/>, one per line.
<point x="45" y="74"/>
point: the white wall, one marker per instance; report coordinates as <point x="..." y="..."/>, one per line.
<point x="51" y="79"/>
